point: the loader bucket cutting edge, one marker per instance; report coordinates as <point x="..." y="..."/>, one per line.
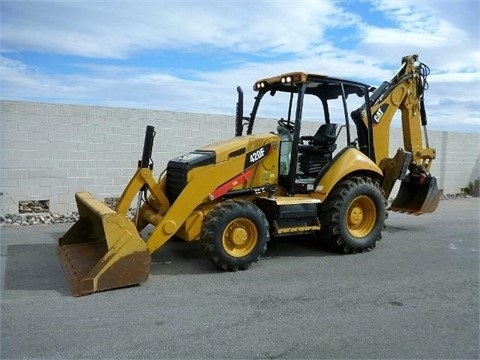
<point x="102" y="250"/>
<point x="414" y="198"/>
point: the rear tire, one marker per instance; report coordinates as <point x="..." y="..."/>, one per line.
<point x="234" y="234"/>
<point x="353" y="215"/>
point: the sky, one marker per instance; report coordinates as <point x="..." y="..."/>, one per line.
<point x="189" y="56"/>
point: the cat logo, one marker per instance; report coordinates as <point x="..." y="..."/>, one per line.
<point x="377" y="116"/>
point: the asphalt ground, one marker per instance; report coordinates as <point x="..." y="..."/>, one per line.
<point x="415" y="296"/>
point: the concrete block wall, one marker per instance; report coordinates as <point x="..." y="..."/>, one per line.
<point x="51" y="151"/>
<point x="458" y="159"/>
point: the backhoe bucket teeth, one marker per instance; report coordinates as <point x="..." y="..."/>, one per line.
<point x="102" y="250"/>
<point x="417" y="198"/>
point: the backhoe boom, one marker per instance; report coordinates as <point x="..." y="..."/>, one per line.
<point x="404" y="92"/>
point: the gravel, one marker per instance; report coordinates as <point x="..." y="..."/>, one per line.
<point x="38" y="218"/>
<point x="48" y="218"/>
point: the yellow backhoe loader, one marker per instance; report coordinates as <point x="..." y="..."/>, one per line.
<point x="234" y="195"/>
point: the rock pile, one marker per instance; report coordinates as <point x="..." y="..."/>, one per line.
<point x="455" y="196"/>
<point x="34" y="206"/>
<point x="38" y="218"/>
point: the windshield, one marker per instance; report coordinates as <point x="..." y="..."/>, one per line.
<point x="322" y="103"/>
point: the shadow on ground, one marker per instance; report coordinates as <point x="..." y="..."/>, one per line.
<point x="181" y="258"/>
<point x="36" y="266"/>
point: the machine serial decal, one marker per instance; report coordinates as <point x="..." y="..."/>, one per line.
<point x="255" y="156"/>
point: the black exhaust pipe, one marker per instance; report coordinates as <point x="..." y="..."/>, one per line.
<point x="147" y="148"/>
<point x="239" y="113"/>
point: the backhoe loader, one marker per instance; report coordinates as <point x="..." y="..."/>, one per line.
<point x="235" y="195"/>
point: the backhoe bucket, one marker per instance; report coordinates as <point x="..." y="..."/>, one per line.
<point x="102" y="250"/>
<point x="417" y="198"/>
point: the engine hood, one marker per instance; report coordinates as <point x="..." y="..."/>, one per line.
<point x="227" y="149"/>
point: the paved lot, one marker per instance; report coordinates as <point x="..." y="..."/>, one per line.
<point x="415" y="296"/>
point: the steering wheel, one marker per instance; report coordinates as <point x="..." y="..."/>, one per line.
<point x="286" y="124"/>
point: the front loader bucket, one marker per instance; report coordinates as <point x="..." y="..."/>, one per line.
<point x="102" y="250"/>
<point x="417" y="198"/>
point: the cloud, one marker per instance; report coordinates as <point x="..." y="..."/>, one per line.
<point x="105" y="29"/>
<point x="17" y="76"/>
<point x="190" y="55"/>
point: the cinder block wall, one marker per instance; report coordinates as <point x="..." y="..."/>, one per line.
<point x="51" y="151"/>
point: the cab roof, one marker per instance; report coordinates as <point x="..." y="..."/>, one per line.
<point x="316" y="84"/>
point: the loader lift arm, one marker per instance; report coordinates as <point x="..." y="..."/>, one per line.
<point x="104" y="250"/>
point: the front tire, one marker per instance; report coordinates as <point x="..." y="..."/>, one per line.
<point x="353" y="216"/>
<point x="234" y="234"/>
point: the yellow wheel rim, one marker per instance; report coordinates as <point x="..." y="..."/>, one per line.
<point x="361" y="216"/>
<point x="239" y="237"/>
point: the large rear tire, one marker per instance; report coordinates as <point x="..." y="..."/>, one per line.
<point x="353" y="215"/>
<point x="234" y="234"/>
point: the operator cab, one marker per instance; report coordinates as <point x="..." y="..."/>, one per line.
<point x="313" y="123"/>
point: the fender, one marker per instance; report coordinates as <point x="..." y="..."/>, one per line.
<point x="348" y="161"/>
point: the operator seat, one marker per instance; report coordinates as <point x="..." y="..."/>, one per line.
<point x="318" y="152"/>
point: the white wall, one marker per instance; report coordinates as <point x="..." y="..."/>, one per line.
<point x="51" y="151"/>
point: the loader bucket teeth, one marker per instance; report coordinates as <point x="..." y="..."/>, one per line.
<point x="102" y="250"/>
<point x="417" y="198"/>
